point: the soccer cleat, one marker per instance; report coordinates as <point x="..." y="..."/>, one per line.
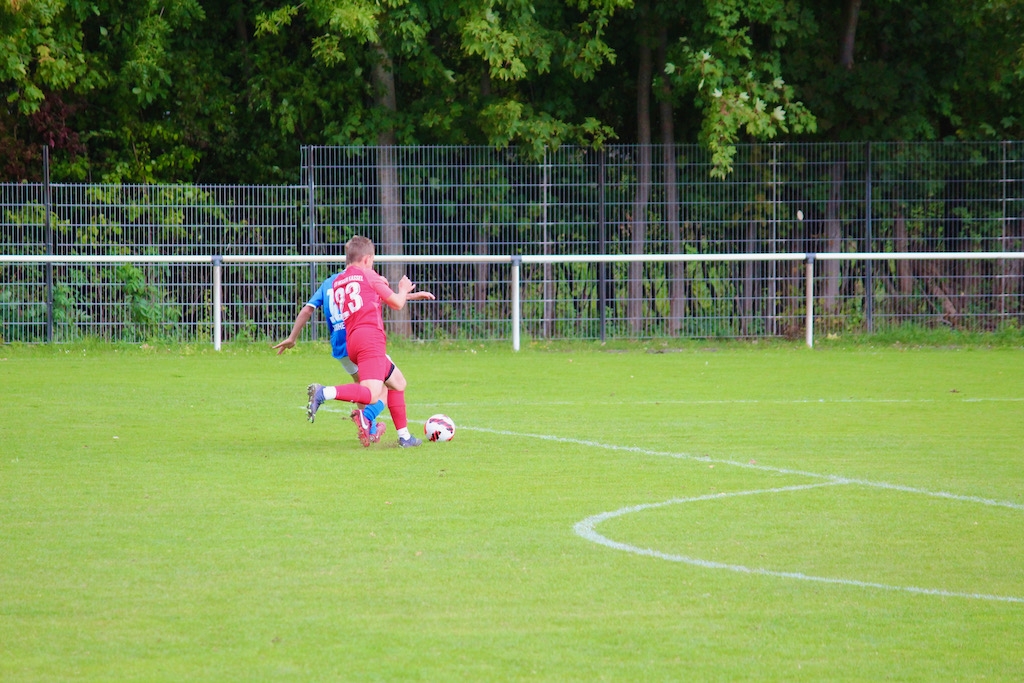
<point x="411" y="442"/>
<point x="377" y="431"/>
<point x="363" y="426"/>
<point x="315" y="392"/>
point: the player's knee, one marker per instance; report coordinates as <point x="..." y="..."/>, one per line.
<point x="396" y="380"/>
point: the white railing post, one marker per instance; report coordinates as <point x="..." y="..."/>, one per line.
<point x="218" y="262"/>
<point x="516" y="312"/>
<point x="810" y="301"/>
<point x="516" y="261"/>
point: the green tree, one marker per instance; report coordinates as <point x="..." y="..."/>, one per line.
<point x="478" y="72"/>
<point x="431" y="70"/>
<point x="912" y="70"/>
<point x="42" y="61"/>
<point x="724" y="56"/>
<point x="731" y="64"/>
<point x="228" y="90"/>
<point x="156" y="91"/>
<point x="902" y="70"/>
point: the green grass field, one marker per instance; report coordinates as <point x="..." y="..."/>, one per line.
<point x="706" y="513"/>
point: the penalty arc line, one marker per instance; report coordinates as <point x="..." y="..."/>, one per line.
<point x="586" y="528"/>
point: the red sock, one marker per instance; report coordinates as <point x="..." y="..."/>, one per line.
<point x="396" y="406"/>
<point x="353" y="393"/>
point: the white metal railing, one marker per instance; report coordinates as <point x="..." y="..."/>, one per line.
<point x="217" y="262"/>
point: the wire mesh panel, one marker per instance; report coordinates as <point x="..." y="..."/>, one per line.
<point x="23" y="286"/>
<point x="948" y="197"/>
<point x="624" y="200"/>
<point x="780" y="198"/>
<point x="460" y="201"/>
<point x="139" y="301"/>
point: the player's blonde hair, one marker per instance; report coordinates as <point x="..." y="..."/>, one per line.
<point x="358" y="248"/>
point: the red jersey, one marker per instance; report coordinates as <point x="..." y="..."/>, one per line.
<point x="358" y="294"/>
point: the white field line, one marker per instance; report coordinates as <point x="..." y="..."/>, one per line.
<point x="833" y="478"/>
<point x="586" y="528"/>
<point x="739" y="401"/>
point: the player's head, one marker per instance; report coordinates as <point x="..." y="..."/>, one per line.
<point x="357" y="249"/>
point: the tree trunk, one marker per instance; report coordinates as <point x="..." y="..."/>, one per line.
<point x="936" y="282"/>
<point x="635" y="305"/>
<point x="668" y="147"/>
<point x="833" y="238"/>
<point x="1011" y="269"/>
<point x="549" y="271"/>
<point x="904" y="274"/>
<point x="747" y="304"/>
<point x="482" y="232"/>
<point x="849" y="36"/>
<point x="482" y="270"/>
<point x="392" y="240"/>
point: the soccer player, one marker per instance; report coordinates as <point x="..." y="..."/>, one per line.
<point x="324" y="298"/>
<point x="395" y="380"/>
<point x="358" y="292"/>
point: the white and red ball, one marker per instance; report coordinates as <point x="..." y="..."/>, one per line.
<point x="439" y="428"/>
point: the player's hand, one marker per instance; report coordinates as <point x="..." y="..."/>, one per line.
<point x="421" y="296"/>
<point x="286" y="344"/>
<point x="405" y="285"/>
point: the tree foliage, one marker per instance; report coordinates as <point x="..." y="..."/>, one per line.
<point x="467" y="72"/>
<point x="919" y="71"/>
<point x="737" y="82"/>
<point x="227" y="91"/>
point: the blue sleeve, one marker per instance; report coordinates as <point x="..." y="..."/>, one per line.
<point x="320" y="296"/>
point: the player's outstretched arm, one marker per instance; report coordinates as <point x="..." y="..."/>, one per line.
<point x="300" y="321"/>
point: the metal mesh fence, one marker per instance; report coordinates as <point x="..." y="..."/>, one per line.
<point x="132" y="302"/>
<point x="780" y="198"/>
<point x="853" y="197"/>
<point x="23" y="288"/>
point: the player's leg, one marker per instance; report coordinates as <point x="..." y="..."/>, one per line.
<point x="371" y="411"/>
<point x="375" y="388"/>
<point x="396" y="384"/>
<point x="366" y="392"/>
<point x="370" y="354"/>
<point x="395" y="380"/>
<point x="318" y="394"/>
<point x="368" y="351"/>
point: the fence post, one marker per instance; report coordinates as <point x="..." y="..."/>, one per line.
<point x="602" y="243"/>
<point x="773" y="268"/>
<point x="1002" y="278"/>
<point x="50" y="250"/>
<point x="517" y="260"/>
<point x="869" y="285"/>
<point x="218" y="263"/>
<point x="810" y="300"/>
<point x="311" y="190"/>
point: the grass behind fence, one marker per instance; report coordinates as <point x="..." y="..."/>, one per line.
<point x="168" y="514"/>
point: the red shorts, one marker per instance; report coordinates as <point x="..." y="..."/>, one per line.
<point x="369" y="350"/>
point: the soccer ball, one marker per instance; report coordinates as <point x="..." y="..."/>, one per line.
<point x="439" y="428"/>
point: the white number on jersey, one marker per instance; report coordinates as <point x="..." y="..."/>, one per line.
<point x="349" y="299"/>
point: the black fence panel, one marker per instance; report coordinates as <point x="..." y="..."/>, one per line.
<point x="623" y="200"/>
